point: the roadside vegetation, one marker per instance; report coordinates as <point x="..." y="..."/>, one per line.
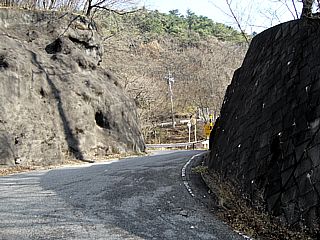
<point x="251" y="219"/>
<point x="145" y="47"/>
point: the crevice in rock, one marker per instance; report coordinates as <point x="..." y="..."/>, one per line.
<point x="81" y="63"/>
<point x="85" y="97"/>
<point x="42" y="92"/>
<point x="54" y="57"/>
<point x="83" y="43"/>
<point x="54" y="47"/>
<point x="3" y="63"/>
<point x="32" y="35"/>
<point x="101" y="120"/>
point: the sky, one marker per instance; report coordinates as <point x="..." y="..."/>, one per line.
<point x="253" y="15"/>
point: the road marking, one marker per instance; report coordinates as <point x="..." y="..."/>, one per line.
<point x="183" y="174"/>
<point x="243" y="235"/>
<point x="186" y="184"/>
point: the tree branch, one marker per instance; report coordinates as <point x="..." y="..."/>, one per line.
<point x="115" y="11"/>
<point x="295" y="9"/>
<point x="237" y="21"/>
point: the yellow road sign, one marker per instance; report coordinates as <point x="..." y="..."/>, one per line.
<point x="207" y="130"/>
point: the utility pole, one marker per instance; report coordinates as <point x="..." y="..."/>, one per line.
<point x="170" y="81"/>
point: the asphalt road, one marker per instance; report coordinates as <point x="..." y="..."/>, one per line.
<point x="135" y="198"/>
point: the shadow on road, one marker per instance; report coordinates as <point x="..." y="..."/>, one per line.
<point x="137" y="198"/>
<point x="144" y="197"/>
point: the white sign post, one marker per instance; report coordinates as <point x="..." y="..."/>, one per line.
<point x="189" y="127"/>
<point x="193" y="122"/>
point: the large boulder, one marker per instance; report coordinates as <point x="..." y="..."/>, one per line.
<point x="56" y="99"/>
<point x="268" y="136"/>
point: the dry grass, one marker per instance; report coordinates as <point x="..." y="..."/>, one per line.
<point x="16" y="169"/>
<point x="236" y="211"/>
<point x="7" y="170"/>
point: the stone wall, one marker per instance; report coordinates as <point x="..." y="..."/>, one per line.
<point x="268" y="135"/>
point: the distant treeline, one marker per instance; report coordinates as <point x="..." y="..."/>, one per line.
<point x="187" y="28"/>
<point x="149" y="23"/>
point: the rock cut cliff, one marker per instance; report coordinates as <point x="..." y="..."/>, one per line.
<point x="56" y="100"/>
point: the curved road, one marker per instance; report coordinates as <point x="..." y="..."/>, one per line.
<point x="134" y="198"/>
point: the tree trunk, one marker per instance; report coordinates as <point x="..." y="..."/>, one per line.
<point x="89" y="8"/>
<point x="307" y="8"/>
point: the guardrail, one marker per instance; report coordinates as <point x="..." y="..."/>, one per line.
<point x="175" y="145"/>
<point x="163" y="124"/>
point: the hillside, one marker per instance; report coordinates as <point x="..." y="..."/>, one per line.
<point x="61" y="99"/>
<point x="144" y="47"/>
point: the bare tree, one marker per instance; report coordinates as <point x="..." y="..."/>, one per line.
<point x="293" y="12"/>
<point x="275" y="12"/>
<point x="87" y="6"/>
<point x="116" y="6"/>
<point x="228" y="2"/>
<point x="307" y="8"/>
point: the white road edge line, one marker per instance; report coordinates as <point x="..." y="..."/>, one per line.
<point x="183" y="174"/>
<point x="186" y="184"/>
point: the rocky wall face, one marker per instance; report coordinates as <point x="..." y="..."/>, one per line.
<point x="56" y="101"/>
<point x="268" y="135"/>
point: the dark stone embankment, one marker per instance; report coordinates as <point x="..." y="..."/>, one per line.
<point x="268" y="136"/>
